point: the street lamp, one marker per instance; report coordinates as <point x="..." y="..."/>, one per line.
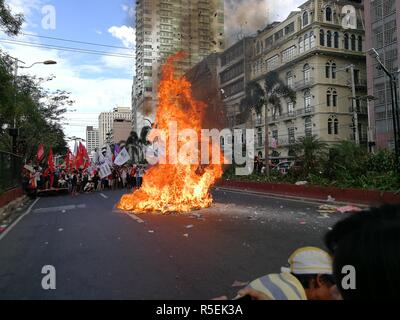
<point x="393" y="89"/>
<point x="14" y="131"/>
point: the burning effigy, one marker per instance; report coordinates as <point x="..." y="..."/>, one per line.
<point x="175" y="186"/>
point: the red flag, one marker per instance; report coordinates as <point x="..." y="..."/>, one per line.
<point x="68" y="161"/>
<point x="85" y="157"/>
<point x="40" y="152"/>
<point x="79" y="157"/>
<point x="50" y="161"/>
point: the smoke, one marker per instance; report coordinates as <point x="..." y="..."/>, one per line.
<point x="244" y="17"/>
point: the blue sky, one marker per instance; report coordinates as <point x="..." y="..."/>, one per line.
<point x="100" y="83"/>
<point x="97" y="83"/>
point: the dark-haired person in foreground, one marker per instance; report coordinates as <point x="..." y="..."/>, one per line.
<point x="309" y="277"/>
<point x="368" y="242"/>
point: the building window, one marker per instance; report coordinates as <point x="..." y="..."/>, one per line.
<point x="336" y="40"/>
<point x="272" y="63"/>
<point x="334" y="98"/>
<point x="259" y="137"/>
<point x="329" y="39"/>
<point x="328" y="98"/>
<point x="291" y="135"/>
<point x="353" y="42"/>
<point x="330" y="126"/>
<point x="306" y="43"/>
<point x="328" y="14"/>
<point x="288" y="54"/>
<point x="305" y="19"/>
<point x="312" y="39"/>
<point x="289" y="79"/>
<point x="336" y="126"/>
<point x="290" y="108"/>
<point x="306" y="73"/>
<point x="322" y="37"/>
<point x="301" y="45"/>
<point x="333" y="70"/>
<point x="258" y="47"/>
<point x="328" y="70"/>
<point x="360" y="43"/>
<point x="308" y="127"/>
<point x="307" y="101"/>
<point x="346" y="41"/>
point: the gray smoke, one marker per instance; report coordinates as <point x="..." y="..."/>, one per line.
<point x="244" y="17"/>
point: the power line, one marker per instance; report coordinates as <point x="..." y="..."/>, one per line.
<point x="76" y="41"/>
<point x="68" y="49"/>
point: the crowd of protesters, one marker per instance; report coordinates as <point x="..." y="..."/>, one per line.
<point x="81" y="180"/>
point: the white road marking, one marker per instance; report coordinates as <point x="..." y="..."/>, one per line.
<point x="18" y="220"/>
<point x="136" y="218"/>
<point x="54" y="209"/>
<point x="103" y="195"/>
<point x="63" y="209"/>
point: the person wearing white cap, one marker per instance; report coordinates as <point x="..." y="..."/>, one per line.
<point x="308" y="277"/>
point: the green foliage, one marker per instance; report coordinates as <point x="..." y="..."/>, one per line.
<point x="346" y="165"/>
<point x="311" y="151"/>
<point x="9" y="23"/>
<point x="37" y="112"/>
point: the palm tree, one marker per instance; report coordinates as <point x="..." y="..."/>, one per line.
<point x="257" y="97"/>
<point x="133" y="145"/>
<point x="309" y="149"/>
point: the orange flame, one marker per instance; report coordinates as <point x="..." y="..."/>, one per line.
<point x="175" y="187"/>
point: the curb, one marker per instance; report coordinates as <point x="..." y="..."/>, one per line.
<point x="289" y="197"/>
<point x="315" y="193"/>
<point x="9" y="209"/>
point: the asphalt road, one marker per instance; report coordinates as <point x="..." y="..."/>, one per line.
<point x="101" y="253"/>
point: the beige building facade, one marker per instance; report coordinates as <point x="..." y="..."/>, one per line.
<point x="313" y="54"/>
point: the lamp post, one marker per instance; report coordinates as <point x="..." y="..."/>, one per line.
<point x="14" y="131"/>
<point x="393" y="89"/>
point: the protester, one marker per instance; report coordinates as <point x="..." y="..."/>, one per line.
<point x="368" y="241"/>
<point x="309" y="277"/>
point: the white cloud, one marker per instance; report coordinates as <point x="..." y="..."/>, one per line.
<point x="124" y="33"/>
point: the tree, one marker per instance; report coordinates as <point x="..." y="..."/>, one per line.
<point x="132" y="144"/>
<point x="271" y="94"/>
<point x="310" y="150"/>
<point x="9" y="23"/>
<point x="36" y="111"/>
<point x="346" y="159"/>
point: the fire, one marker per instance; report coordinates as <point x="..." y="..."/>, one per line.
<point x="175" y="187"/>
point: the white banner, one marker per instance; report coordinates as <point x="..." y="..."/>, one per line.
<point x="123" y="157"/>
<point x="105" y="170"/>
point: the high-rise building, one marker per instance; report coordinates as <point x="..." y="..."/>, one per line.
<point x="164" y="27"/>
<point x="92" y="139"/>
<point x="106" y="122"/>
<point x="121" y="130"/>
<point x="312" y="53"/>
<point x="382" y="24"/>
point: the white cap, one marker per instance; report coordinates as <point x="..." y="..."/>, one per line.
<point x="309" y="260"/>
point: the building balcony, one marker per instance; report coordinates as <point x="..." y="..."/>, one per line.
<point x="284" y="116"/>
<point x="304" y="84"/>
<point x="305" y="111"/>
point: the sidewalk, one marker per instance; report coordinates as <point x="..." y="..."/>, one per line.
<point x="314" y="193"/>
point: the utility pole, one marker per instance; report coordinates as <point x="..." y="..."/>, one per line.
<point x="266" y="143"/>
<point x="354" y="105"/>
